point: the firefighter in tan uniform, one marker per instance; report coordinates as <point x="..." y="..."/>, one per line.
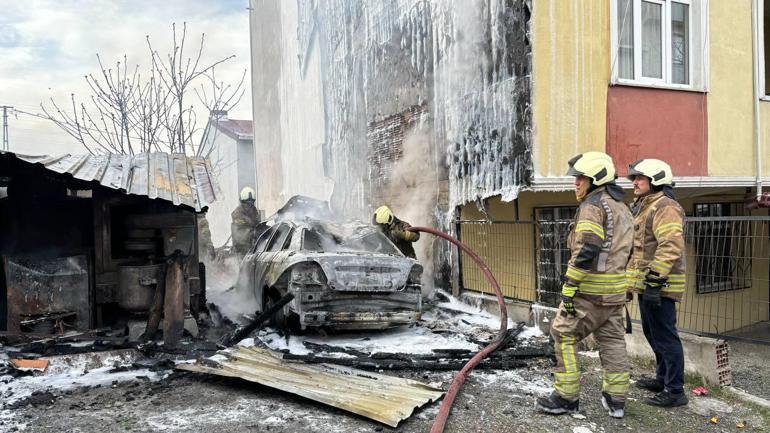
<point x="656" y="272"/>
<point x="396" y="230"/>
<point x="594" y="291"/>
<point x="244" y="223"/>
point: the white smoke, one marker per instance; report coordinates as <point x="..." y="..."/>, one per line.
<point x="221" y="276"/>
<point x="414" y="191"/>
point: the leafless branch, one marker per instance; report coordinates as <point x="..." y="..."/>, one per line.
<point x="130" y="112"/>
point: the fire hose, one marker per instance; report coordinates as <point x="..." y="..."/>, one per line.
<point x="457" y="382"/>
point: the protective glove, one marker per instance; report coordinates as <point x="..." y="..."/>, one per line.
<point x="567" y="295"/>
<point x="629" y="296"/>
<point x="653" y="284"/>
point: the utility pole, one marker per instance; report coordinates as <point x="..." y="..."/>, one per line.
<point x="5" y="108"/>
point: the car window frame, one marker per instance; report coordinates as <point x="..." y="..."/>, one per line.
<point x="275" y="244"/>
<point x="302" y="245"/>
<point x="267" y="234"/>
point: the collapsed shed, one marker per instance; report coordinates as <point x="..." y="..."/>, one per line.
<point x="87" y="239"/>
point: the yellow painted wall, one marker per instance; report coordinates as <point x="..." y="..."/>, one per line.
<point x="730" y="101"/>
<point x="571" y="70"/>
<point x="509" y="250"/>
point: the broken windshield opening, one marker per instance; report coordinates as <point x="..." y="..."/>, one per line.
<point x="362" y="239"/>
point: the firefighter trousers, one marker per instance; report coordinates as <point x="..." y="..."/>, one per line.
<point x="659" y="326"/>
<point x="606" y="323"/>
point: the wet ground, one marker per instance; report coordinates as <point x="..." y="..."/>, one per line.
<point x="149" y="398"/>
<point x="490" y="402"/>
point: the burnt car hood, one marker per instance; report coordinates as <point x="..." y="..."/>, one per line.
<point x="363" y="271"/>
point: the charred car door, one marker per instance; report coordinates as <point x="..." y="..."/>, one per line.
<point x="266" y="250"/>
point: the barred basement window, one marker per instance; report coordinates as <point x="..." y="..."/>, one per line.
<point x="552" y="252"/>
<point x="722" y="247"/>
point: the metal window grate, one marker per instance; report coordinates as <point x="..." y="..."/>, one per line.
<point x="506" y="248"/>
<point x="552" y="251"/>
<point x="722" y="250"/>
<point x="722" y="256"/>
<point x="730" y="253"/>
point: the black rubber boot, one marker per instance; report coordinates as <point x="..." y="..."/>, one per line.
<point x="616" y="409"/>
<point x="555" y="404"/>
<point x="649" y="384"/>
<point x="667" y="399"/>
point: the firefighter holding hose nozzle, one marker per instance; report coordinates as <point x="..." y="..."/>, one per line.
<point x="396" y="230"/>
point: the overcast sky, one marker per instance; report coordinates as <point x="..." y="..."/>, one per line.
<point x="47" y="46"/>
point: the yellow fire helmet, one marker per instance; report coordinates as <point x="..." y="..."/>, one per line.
<point x="247" y="193"/>
<point x="658" y="171"/>
<point x="383" y="215"/>
<point x="596" y="165"/>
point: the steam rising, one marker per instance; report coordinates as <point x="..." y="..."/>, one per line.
<point x="220" y="281"/>
<point x="414" y="185"/>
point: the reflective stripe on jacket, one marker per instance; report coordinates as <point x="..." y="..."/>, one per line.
<point x="658" y="244"/>
<point x="600" y="244"/>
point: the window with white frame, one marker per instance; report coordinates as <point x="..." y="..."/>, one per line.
<point x="660" y="43"/>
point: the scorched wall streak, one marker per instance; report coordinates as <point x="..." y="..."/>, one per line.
<point x="469" y="61"/>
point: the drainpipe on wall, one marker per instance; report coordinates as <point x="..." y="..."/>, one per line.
<point x="757" y="136"/>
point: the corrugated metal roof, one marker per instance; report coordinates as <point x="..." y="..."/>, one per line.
<point x="379" y="397"/>
<point x="176" y="178"/>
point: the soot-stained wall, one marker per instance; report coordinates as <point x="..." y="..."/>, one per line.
<point x="468" y="62"/>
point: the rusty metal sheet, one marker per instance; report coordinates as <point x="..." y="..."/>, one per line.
<point x="382" y="398"/>
<point x="176" y="178"/>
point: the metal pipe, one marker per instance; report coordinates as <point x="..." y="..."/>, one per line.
<point x="757" y="129"/>
<point x="457" y="382"/>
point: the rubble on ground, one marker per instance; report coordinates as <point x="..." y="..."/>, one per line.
<point x="448" y="335"/>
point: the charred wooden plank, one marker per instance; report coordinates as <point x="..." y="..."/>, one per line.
<point x="242" y="332"/>
<point x="333" y="349"/>
<point x="173" y="304"/>
<point x="156" y="311"/>
<point x="401" y="364"/>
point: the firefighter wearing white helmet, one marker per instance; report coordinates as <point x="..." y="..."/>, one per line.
<point x="244" y="222"/>
<point x="656" y="272"/>
<point x="396" y="230"/>
<point x="594" y="291"/>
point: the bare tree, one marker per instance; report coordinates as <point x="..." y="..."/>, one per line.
<point x="129" y="113"/>
<point x="217" y="97"/>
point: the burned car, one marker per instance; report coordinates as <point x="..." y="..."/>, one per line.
<point x="344" y="275"/>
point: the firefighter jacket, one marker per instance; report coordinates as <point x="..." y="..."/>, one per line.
<point x="600" y="243"/>
<point x="243" y="227"/>
<point x="398" y="234"/>
<point x="658" y="244"/>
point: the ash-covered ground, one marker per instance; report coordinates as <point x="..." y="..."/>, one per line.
<point x="130" y="391"/>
